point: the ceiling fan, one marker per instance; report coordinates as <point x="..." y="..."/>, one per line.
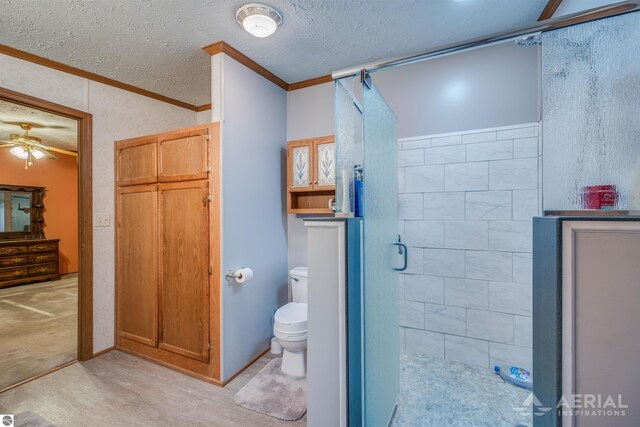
<point x="27" y="147"/>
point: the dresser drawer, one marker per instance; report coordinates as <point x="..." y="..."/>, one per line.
<point x="42" y="270"/>
<point x="11" y="261"/>
<point x="13" y="250"/>
<point x="42" y="247"/>
<point x="13" y="273"/>
<point x="43" y="258"/>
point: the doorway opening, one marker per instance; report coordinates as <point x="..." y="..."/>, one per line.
<point x="36" y="258"/>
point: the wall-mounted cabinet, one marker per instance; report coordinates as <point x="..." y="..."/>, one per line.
<point x="311" y="175"/>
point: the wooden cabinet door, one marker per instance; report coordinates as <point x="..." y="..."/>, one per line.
<point x="300" y="165"/>
<point x="136" y="161"/>
<point x="137" y="264"/>
<point x="184" y="268"/>
<point x="184" y="155"/>
<point x="324" y="153"/>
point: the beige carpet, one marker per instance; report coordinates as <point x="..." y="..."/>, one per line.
<point x="38" y="328"/>
<point x="274" y="393"/>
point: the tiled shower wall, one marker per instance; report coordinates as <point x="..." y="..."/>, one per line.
<point x="466" y="204"/>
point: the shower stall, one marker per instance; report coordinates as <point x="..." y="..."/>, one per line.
<point x="459" y="298"/>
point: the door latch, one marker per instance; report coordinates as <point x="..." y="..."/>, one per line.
<point x="402" y="250"/>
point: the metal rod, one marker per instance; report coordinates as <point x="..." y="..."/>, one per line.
<point x="548" y="25"/>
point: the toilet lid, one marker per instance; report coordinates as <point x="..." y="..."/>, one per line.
<point x="292" y="318"/>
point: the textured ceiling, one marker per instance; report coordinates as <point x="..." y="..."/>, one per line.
<point x="55" y="131"/>
<point x="156" y="45"/>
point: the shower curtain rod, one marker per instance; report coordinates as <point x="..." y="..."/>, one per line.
<point x="548" y="25"/>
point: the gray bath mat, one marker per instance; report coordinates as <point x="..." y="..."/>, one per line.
<point x="31" y="419"/>
<point x="274" y="393"/>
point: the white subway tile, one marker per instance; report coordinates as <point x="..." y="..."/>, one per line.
<point x="522" y="268"/>
<point x="516" y="174"/>
<point x="410" y="206"/>
<point x="526" y="132"/>
<point x="402" y="334"/>
<point x="523" y="331"/>
<point x="446" y="140"/>
<point x="416" y="143"/>
<point x="505" y="354"/>
<point x="525" y="204"/>
<point x="486" y="265"/>
<point x="490" y="326"/>
<point x="466" y="293"/>
<point x="466" y="177"/>
<point x="424" y="234"/>
<point x="444" y="206"/>
<point x="415" y="260"/>
<point x="410" y="158"/>
<point x="514" y="236"/>
<point x="466" y="235"/>
<point x="423" y="288"/>
<point x="525" y="147"/>
<point x="447" y="154"/>
<point x="444" y="262"/>
<point x="488" y="205"/>
<point x="497" y="150"/>
<point x="466" y="350"/>
<point x="412" y="314"/>
<point x="400" y="180"/>
<point x="425" y="342"/>
<point x="510" y="297"/>
<point x="424" y="179"/>
<point x="473" y="138"/>
<point x="442" y="318"/>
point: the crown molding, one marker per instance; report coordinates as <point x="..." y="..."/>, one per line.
<point x="549" y="9"/>
<point x="310" y="82"/>
<point x="29" y="57"/>
<point x="223" y="47"/>
<point x="203" y="107"/>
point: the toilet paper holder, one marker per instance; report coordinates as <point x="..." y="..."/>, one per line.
<point x="237" y="275"/>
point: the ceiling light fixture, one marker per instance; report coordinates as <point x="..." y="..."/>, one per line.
<point x="259" y="20"/>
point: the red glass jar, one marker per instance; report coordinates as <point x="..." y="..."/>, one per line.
<point x="599" y="197"/>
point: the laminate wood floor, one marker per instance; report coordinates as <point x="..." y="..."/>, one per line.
<point x="38" y="328"/>
<point x="118" y="389"/>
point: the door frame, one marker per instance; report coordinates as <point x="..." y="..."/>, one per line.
<point x="85" y="211"/>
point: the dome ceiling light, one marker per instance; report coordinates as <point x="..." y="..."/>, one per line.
<point x="259" y="20"/>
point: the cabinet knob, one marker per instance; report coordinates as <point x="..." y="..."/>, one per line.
<point x="309" y="182"/>
<point x="315" y="182"/>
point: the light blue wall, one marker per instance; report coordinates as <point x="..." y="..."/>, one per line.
<point x="253" y="212"/>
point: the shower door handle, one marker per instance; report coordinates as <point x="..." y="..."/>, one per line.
<point x="402" y="250"/>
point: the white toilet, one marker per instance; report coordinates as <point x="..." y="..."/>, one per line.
<point x="290" y="326"/>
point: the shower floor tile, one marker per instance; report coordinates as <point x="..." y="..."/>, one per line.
<point x="438" y="392"/>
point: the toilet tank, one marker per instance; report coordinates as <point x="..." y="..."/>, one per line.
<point x="298" y="277"/>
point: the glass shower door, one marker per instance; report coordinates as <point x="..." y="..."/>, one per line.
<point x="381" y="358"/>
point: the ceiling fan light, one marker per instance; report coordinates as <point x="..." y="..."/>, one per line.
<point x="37" y="154"/>
<point x="19" y="152"/>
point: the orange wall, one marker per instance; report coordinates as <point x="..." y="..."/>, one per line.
<point x="60" y="198"/>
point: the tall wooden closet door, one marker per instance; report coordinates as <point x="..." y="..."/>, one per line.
<point x="137" y="251"/>
<point x="184" y="268"/>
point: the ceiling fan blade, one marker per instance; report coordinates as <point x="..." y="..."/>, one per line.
<point x="48" y="155"/>
<point x="36" y="125"/>
<point x="7" y="144"/>
<point x="57" y="150"/>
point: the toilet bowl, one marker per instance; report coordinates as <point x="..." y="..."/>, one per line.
<point x="290" y="329"/>
<point x="290" y="326"/>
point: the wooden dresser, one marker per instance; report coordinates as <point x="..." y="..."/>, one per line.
<point x="28" y="260"/>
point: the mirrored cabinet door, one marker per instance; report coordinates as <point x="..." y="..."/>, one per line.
<point x="325" y="162"/>
<point x="299" y="160"/>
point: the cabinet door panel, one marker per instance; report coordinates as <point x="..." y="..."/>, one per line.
<point x="137" y="162"/>
<point x="184" y="157"/>
<point x="184" y="276"/>
<point x="137" y="272"/>
<point x="300" y="166"/>
<point x="325" y="164"/>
